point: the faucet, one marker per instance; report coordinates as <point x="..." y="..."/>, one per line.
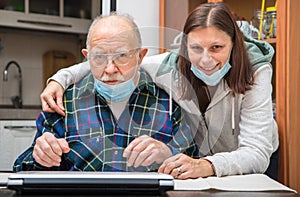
<point x="16" y="100"/>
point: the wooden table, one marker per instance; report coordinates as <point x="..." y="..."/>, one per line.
<point x="207" y="193"/>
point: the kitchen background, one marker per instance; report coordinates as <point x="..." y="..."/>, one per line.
<point x="27" y="44"/>
<point x="27" y="49"/>
<point x="42" y="36"/>
<point x="45" y="36"/>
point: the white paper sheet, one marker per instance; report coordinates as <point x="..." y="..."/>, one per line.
<point x="251" y="182"/>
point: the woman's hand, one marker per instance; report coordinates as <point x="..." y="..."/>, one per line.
<point x="182" y="166"/>
<point x="52" y="97"/>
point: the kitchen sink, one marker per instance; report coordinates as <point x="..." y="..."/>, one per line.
<point x="27" y="112"/>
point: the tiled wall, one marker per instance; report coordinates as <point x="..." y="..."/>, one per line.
<point x="27" y="48"/>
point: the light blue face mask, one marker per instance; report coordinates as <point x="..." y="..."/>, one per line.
<point x="214" y="78"/>
<point x="115" y="93"/>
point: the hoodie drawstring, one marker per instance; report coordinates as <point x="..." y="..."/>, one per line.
<point x="170" y="95"/>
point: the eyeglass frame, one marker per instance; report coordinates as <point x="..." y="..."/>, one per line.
<point x="131" y="53"/>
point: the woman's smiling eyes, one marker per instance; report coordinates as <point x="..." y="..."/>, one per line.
<point x="196" y="48"/>
<point x="217" y="47"/>
<point x="199" y="49"/>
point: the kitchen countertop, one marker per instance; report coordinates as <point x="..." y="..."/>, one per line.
<point x="27" y="112"/>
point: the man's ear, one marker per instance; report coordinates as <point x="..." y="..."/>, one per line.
<point x="84" y="52"/>
<point x="142" y="54"/>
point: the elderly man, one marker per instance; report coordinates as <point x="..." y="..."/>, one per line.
<point x="116" y="118"/>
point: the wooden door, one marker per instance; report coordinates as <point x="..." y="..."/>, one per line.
<point x="55" y="60"/>
<point x="288" y="91"/>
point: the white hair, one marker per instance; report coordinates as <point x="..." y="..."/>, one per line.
<point x="130" y="20"/>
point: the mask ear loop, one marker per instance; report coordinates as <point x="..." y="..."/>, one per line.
<point x="136" y="67"/>
<point x="171" y="95"/>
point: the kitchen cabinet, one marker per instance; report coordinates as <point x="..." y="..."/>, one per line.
<point x="15" y="137"/>
<point x="286" y="75"/>
<point x="70" y="16"/>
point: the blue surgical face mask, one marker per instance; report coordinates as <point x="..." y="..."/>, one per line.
<point x="214" y="78"/>
<point x="115" y="93"/>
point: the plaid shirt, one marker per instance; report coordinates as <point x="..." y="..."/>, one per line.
<point x="97" y="139"/>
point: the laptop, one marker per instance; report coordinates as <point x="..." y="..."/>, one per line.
<point x="70" y="182"/>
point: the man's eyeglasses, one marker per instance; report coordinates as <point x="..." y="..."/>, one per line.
<point x="120" y="59"/>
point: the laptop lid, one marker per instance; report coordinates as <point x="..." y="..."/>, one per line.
<point x="70" y="182"/>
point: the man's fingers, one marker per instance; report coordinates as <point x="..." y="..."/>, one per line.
<point x="145" y="151"/>
<point x="40" y="161"/>
<point x="43" y="158"/>
<point x="52" y="145"/>
<point x="133" y="150"/>
<point x="151" y="158"/>
<point x="48" y="150"/>
<point x="132" y="158"/>
<point x="128" y="150"/>
<point x="63" y="145"/>
<point x="145" y="158"/>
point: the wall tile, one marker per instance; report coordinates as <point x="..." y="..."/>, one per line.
<point x="27" y="48"/>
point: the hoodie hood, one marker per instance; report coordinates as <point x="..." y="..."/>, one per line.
<point x="260" y="52"/>
<point x="170" y="63"/>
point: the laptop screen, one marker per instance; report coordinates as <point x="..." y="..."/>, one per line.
<point x="67" y="182"/>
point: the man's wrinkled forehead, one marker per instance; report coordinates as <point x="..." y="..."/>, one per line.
<point x="117" y="42"/>
<point x="113" y="32"/>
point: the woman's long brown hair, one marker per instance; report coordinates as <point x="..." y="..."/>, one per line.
<point x="240" y="76"/>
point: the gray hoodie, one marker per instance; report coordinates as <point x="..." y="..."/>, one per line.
<point x="238" y="134"/>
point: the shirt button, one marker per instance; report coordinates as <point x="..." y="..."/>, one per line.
<point x="116" y="152"/>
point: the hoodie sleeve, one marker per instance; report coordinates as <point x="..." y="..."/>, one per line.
<point x="258" y="135"/>
<point x="70" y="75"/>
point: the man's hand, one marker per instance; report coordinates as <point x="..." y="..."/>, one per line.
<point x="52" y="97"/>
<point x="48" y="150"/>
<point x="144" y="150"/>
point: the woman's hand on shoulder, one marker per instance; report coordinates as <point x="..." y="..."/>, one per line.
<point x="52" y="97"/>
<point x="182" y="166"/>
